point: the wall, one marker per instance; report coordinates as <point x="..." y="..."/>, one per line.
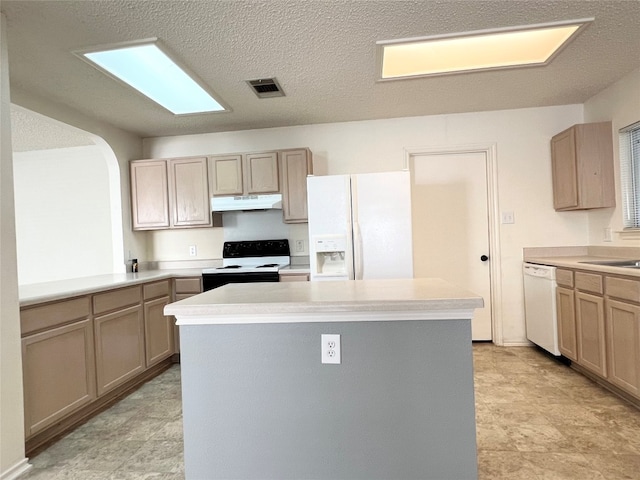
<point x="374" y="416"/>
<point x="619" y="103"/>
<point x="524" y="171"/>
<point x="172" y="245"/>
<point x="12" y="453"/>
<point x="118" y="147"/>
<point x="63" y="214"/>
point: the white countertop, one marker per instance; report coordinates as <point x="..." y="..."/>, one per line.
<point x="49" y="291"/>
<point x="576" y="262"/>
<point x="281" y="302"/>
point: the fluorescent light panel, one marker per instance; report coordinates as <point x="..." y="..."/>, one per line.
<point x="149" y="70"/>
<point x="483" y="50"/>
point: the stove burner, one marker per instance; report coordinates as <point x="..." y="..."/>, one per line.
<point x="267" y="265"/>
<point x="229" y="266"/>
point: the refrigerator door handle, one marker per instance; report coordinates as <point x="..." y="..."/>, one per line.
<point x="359" y="264"/>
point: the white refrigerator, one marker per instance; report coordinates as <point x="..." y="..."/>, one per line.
<point x="360" y="226"/>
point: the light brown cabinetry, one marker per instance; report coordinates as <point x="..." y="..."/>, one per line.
<point x="605" y="337"/>
<point x="295" y="166"/>
<point x="582" y="164"/>
<point x="623" y="332"/>
<point x="119" y="337"/>
<point x="244" y="174"/>
<point x="171" y="193"/>
<point x="158" y="328"/>
<point x="590" y="322"/>
<point x="225" y="175"/>
<point x="189" y="192"/>
<point x="591" y="332"/>
<point x="567" y="342"/>
<point x="149" y="194"/>
<point x="184" y="288"/>
<point x="58" y="362"/>
<point x="294" y="277"/>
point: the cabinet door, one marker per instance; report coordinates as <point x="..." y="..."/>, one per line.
<point x="184" y="288"/>
<point x="119" y="347"/>
<point x="261" y="173"/>
<point x="563" y="159"/>
<point x="59" y="374"/>
<point x="149" y="194"/>
<point x="623" y="345"/>
<point x="189" y="190"/>
<point x="591" y="333"/>
<point x="565" y="305"/>
<point x="158" y="331"/>
<point x="295" y="168"/>
<point x="225" y="175"/>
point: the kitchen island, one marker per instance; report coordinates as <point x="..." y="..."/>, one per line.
<point x="258" y="402"/>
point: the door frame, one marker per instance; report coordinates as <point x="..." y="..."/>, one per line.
<point x="493" y="209"/>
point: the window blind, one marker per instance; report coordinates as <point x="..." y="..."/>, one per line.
<point x="630" y="175"/>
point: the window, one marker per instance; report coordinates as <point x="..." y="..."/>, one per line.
<point x="630" y="175"/>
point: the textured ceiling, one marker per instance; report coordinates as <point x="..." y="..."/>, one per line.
<point x="322" y="53"/>
<point x="30" y="131"/>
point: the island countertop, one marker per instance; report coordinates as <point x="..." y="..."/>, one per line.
<point x="304" y="301"/>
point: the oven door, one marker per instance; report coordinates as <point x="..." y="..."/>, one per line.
<point x="215" y="280"/>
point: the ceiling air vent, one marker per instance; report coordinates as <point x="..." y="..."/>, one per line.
<point x="266" y="88"/>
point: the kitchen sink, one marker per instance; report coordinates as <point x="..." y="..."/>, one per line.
<point x="616" y="263"/>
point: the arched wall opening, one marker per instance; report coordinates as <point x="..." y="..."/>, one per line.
<point x="67" y="201"/>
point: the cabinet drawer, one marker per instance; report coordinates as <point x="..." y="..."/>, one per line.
<point x="299" y="277"/>
<point x="564" y="277"/>
<point x="155" y="290"/>
<point x="623" y="288"/>
<point x="189" y="285"/>
<point x="589" y="282"/>
<point x="42" y="317"/>
<point x="116" y="299"/>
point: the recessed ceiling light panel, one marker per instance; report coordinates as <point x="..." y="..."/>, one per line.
<point x="146" y="67"/>
<point x="474" y="51"/>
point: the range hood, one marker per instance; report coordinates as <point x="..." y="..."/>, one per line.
<point x="246" y="202"/>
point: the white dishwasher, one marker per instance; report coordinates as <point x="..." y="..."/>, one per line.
<point x="540" y="306"/>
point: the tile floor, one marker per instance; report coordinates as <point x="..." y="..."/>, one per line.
<point x="536" y="419"/>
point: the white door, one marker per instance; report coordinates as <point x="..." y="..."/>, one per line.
<point x="451" y="225"/>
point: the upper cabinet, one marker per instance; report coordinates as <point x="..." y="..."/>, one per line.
<point x="295" y="166"/>
<point x="189" y="192"/>
<point x="149" y="194"/>
<point x="582" y="162"/>
<point x="244" y="174"/>
<point x="175" y="192"/>
<point x="171" y="193"/>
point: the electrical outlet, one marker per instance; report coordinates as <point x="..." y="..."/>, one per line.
<point x="299" y="246"/>
<point x="193" y="250"/>
<point x="330" y="345"/>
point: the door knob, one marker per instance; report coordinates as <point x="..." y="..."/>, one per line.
<point x="484" y="258"/>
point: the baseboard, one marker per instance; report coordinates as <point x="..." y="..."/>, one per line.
<point x="523" y="343"/>
<point x="23" y="466"/>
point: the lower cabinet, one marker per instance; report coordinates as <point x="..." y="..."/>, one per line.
<point x="599" y="326"/>
<point x="58" y="370"/>
<point x="591" y="333"/>
<point x="565" y="304"/>
<point x="158" y="328"/>
<point x="623" y="345"/>
<point x="119" y="347"/>
<point x="294" y="277"/>
<point x="184" y="288"/>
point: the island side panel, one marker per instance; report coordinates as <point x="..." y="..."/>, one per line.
<point x="258" y="403"/>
